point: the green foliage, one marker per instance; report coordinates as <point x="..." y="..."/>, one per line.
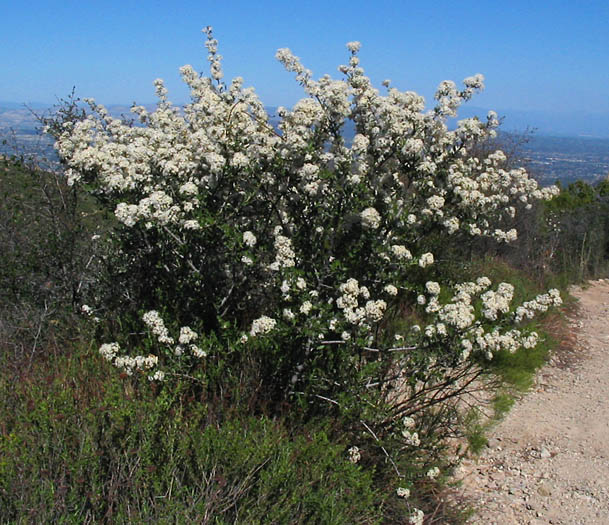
<point x="79" y="446"/>
<point x="46" y="236"/>
<point x="49" y="259"/>
<point x="475" y="431"/>
<point x="602" y="187"/>
<point x="575" y="195"/>
<point x="502" y="403"/>
<point x="577" y="235"/>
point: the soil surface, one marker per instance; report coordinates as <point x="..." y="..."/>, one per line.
<point x="548" y="460"/>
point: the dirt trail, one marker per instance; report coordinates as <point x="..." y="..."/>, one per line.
<point x="548" y="461"/>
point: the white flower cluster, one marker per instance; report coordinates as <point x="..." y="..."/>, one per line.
<point x="417" y="517"/>
<point x="354" y="454"/>
<point x="360" y="143"/>
<point x="508" y="236"/>
<point x="494" y="341"/>
<point x="541" y="303"/>
<point x="197" y="351"/>
<point x="355" y="314"/>
<point x="159" y="375"/>
<point x="249" y="239"/>
<point x="262" y="325"/>
<point x="153" y="320"/>
<point x="432" y="287"/>
<point x="481" y="284"/>
<point x="402" y="492"/>
<point x="433" y="473"/>
<point x="486" y="189"/>
<point x="371" y="218"/>
<point x="499" y="301"/>
<point x="187" y="335"/>
<point x="426" y="259"/>
<point x="391" y="290"/>
<point x="284" y="253"/>
<point x="86" y="309"/>
<point x="306" y="307"/>
<point x="375" y="310"/>
<point x="109" y="351"/>
<point x="452" y="225"/>
<point x="410" y="437"/>
<point x="401" y="252"/>
<point x="354" y="47"/>
<point x="459" y="314"/>
<point x="435" y="202"/>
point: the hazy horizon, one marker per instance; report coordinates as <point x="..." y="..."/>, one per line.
<point x="550" y="58"/>
<point x="545" y="123"/>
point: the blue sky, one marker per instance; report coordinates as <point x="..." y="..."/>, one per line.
<point x="535" y="55"/>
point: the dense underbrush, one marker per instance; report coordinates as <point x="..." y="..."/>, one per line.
<point x="79" y="446"/>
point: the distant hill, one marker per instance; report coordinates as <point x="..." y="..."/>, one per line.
<point x="545" y="123"/>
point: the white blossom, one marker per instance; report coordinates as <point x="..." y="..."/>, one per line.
<point x="426" y="259"/>
<point x="249" y="239"/>
<point x="401" y="252"/>
<point x="157" y="326"/>
<point x="305" y="307"/>
<point x="159" y="375"/>
<point x="432" y="287"/>
<point x="354" y="454"/>
<point x="262" y="325"/>
<point x="109" y="350"/>
<point x="402" y="492"/>
<point x="391" y="290"/>
<point x="433" y="473"/>
<point x="187" y="335"/>
<point x="354" y="47"/>
<point x="371" y="218"/>
<point x="417" y="517"/>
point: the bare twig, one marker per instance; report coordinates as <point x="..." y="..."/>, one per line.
<point x="397" y="471"/>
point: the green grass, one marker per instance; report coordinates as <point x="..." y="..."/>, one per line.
<point x="518" y="370"/>
<point x="475" y="430"/>
<point x="502" y="404"/>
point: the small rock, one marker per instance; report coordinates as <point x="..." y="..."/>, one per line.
<point x="493" y="442"/>
<point x="544" y="490"/>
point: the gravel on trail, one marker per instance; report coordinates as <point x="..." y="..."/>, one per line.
<point x="548" y="460"/>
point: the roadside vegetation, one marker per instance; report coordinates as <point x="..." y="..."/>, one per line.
<point x="203" y="319"/>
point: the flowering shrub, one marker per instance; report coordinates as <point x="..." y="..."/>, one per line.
<point x="294" y="250"/>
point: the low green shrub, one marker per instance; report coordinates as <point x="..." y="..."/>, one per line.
<point x="77" y="445"/>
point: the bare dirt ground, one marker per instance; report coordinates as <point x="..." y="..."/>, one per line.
<point x="548" y="460"/>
